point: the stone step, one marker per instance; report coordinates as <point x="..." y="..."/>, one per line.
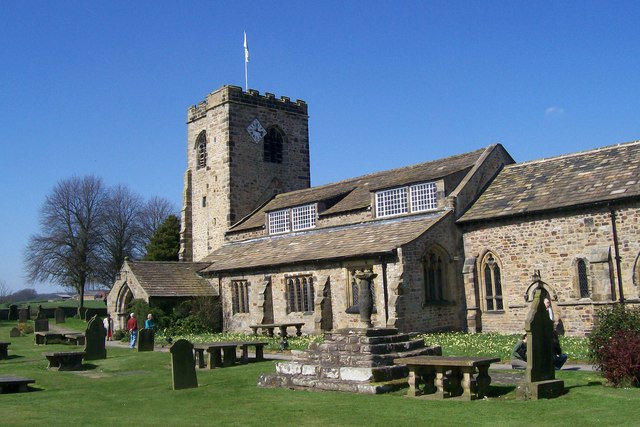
<point x="330" y="385"/>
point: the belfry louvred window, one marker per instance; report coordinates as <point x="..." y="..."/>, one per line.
<point x="201" y="147"/>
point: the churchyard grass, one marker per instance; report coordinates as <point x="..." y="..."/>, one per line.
<point x="131" y="388"/>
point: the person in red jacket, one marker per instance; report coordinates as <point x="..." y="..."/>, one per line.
<point x="132" y="325"/>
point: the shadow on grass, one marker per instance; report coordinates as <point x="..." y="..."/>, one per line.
<point x="589" y="384"/>
<point x="500" y="390"/>
<point x="88" y="366"/>
<point x="14" y="356"/>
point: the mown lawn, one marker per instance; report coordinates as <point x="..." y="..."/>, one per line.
<point x="131" y="388"/>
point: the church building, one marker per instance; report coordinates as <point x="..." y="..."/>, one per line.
<point x="451" y="244"/>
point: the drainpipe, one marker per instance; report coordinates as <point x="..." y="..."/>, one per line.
<point x="614" y="230"/>
<point x="385" y="290"/>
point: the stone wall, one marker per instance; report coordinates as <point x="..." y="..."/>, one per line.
<point x="414" y="312"/>
<point x="552" y="243"/>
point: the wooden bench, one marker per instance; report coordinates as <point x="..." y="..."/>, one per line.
<point x="4" y="350"/>
<point x="269" y="327"/>
<point x="10" y="383"/>
<point x="77" y="338"/>
<point x="448" y="377"/>
<point x="47" y="337"/>
<point x="65" y="360"/>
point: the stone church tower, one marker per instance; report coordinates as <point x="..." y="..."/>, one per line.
<point x="242" y="149"/>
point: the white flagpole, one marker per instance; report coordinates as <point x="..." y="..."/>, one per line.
<point x="246" y="63"/>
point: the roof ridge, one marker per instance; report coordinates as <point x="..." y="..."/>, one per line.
<point x="386" y="171"/>
<point x="576" y="154"/>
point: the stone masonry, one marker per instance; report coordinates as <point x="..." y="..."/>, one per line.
<point x="350" y="360"/>
<point x="236" y="179"/>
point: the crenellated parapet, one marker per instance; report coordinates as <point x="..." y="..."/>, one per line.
<point x="252" y="97"/>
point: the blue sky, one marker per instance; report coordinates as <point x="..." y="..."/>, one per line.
<point x="103" y="87"/>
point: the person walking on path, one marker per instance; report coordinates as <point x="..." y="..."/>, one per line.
<point x="519" y="354"/>
<point x="132" y="325"/>
<point x="108" y="326"/>
<point x="149" y="323"/>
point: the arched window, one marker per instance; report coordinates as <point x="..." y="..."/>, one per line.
<point x="273" y="141"/>
<point x="300" y="294"/>
<point x="434" y="276"/>
<point x="492" y="283"/>
<point x="201" y="149"/>
<point x="583" y="279"/>
<point x="240" y="296"/>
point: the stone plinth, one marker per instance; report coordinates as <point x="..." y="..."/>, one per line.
<point x="540" y="390"/>
<point x="351" y="360"/>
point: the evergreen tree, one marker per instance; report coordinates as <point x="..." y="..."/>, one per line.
<point x="165" y="242"/>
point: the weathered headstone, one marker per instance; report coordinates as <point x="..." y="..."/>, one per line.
<point x="13" y="312"/>
<point x="183" y="367"/>
<point x="540" y="382"/>
<point x="41" y="323"/>
<point x="14" y="332"/>
<point x="23" y="315"/>
<point x="60" y="318"/>
<point x="28" y="312"/>
<point x="145" y="339"/>
<point x="94" y="340"/>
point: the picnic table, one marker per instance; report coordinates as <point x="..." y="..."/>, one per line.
<point x="65" y="360"/>
<point x="448" y="377"/>
<point x="4" y="350"/>
<point x="11" y="383"/>
<point x="269" y="327"/>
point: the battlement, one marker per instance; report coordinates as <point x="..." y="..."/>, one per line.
<point x="235" y="94"/>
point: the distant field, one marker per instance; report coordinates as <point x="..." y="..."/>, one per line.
<point x="91" y="303"/>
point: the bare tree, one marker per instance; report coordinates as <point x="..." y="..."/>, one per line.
<point x="4" y="292"/>
<point x="67" y="249"/>
<point x="121" y="231"/>
<point x="154" y="213"/>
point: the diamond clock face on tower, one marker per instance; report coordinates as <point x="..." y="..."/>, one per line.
<point x="256" y="131"/>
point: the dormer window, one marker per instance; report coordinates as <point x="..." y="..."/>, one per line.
<point x="293" y="219"/>
<point x="414" y="198"/>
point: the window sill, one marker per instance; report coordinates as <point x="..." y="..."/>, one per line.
<point x="494" y="312"/>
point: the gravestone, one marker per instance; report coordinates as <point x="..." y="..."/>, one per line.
<point x="41" y="323"/>
<point x="14" y="332"/>
<point x="145" y="339"/>
<point x="59" y="313"/>
<point x="13" y="312"/>
<point x="183" y="366"/>
<point x="23" y="315"/>
<point x="94" y="340"/>
<point x="539" y="382"/>
<point x="28" y="312"/>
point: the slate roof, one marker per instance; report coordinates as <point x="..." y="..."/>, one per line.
<point x="366" y="239"/>
<point x="601" y="175"/>
<point x="355" y="193"/>
<point x="172" y="279"/>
